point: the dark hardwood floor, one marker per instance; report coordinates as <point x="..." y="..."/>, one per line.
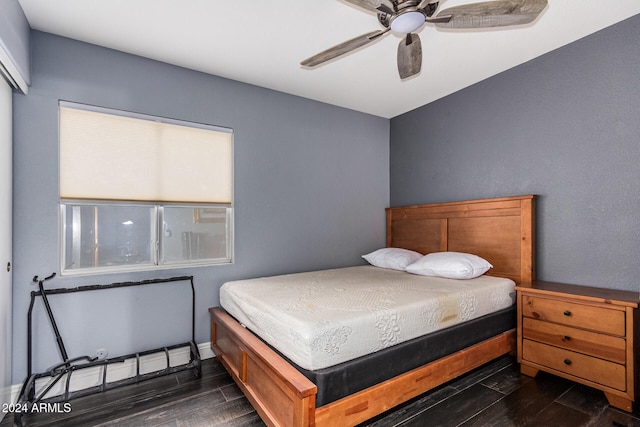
<point x="493" y="395"/>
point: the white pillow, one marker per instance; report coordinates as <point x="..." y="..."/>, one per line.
<point x="393" y="258"/>
<point x="452" y="265"/>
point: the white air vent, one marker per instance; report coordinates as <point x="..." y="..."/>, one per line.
<point x="9" y="71"/>
<point x="14" y="45"/>
<point x="7" y="76"/>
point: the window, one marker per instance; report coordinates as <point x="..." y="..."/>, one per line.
<point x="140" y="192"/>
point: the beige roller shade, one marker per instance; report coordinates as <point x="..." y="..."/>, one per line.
<point x="113" y="157"/>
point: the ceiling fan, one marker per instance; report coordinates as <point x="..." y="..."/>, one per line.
<point x="408" y="16"/>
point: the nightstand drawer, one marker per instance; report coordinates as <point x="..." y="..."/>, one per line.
<point x="583" y="316"/>
<point x="579" y="365"/>
<point x="587" y="342"/>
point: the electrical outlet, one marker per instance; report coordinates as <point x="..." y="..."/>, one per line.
<point x="102" y="353"/>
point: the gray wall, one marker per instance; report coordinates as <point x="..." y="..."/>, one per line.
<point x="311" y="185"/>
<point x="565" y="126"/>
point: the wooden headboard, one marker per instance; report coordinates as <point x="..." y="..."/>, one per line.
<point x="500" y="230"/>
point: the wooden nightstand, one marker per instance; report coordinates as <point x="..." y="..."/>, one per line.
<point x="581" y="333"/>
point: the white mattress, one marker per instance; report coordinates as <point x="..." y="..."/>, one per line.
<point x="323" y="318"/>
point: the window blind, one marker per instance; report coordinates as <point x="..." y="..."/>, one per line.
<point x="107" y="156"/>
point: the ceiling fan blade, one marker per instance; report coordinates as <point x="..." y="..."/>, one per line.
<point x="342" y="48"/>
<point x="409" y="56"/>
<point x="491" y="14"/>
<point x="371" y="5"/>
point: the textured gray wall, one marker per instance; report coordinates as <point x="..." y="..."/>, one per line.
<point x="311" y="185"/>
<point x="565" y="126"/>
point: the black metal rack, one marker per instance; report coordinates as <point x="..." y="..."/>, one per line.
<point x="64" y="370"/>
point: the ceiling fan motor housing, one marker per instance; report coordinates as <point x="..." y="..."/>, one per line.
<point x="407" y="16"/>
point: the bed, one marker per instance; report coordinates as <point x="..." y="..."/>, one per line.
<point x="284" y="392"/>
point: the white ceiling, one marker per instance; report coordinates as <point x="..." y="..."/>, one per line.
<point x="262" y="43"/>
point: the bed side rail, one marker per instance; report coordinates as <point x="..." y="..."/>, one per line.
<point x="281" y="395"/>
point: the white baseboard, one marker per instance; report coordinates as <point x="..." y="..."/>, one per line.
<point x="91" y="377"/>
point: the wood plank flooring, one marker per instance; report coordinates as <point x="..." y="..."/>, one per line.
<point x="493" y="395"/>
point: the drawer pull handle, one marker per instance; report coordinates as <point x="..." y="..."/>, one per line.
<point x="567" y="362"/>
<point x="566" y="338"/>
<point x="567" y="313"/>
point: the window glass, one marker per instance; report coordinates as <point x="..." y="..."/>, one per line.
<point x="105" y="237"/>
<point x="98" y="236"/>
<point x="194" y="233"/>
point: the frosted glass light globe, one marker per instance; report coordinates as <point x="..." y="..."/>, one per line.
<point x="407" y="22"/>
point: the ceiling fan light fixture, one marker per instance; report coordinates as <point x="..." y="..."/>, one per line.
<point x="407" y="22"/>
<point x="406" y="17"/>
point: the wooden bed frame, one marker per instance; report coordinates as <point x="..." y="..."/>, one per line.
<point x="501" y="230"/>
